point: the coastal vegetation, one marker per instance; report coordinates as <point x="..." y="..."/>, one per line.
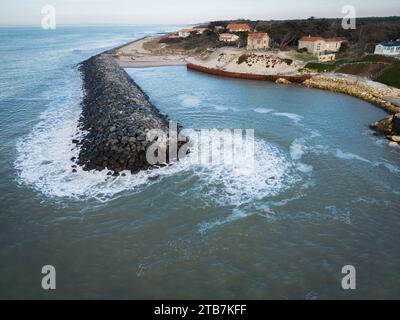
<point x="390" y="76"/>
<point x="378" y="68"/>
<point x="368" y="33"/>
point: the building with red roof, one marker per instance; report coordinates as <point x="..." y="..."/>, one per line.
<point x="238" y="27"/>
<point x="258" y="41"/>
<point x="319" y="45"/>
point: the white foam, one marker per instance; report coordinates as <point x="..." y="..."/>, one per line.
<point x="224" y="108"/>
<point x="189" y="100"/>
<point x="262" y="110"/>
<point x="305" y="168"/>
<point x="391" y="167"/>
<point x="44" y="156"/>
<point x="244" y="182"/>
<point x="297" y="149"/>
<point x="237" y="214"/>
<point x="43" y="162"/>
<point x="292" y="116"/>
<point x="349" y="156"/>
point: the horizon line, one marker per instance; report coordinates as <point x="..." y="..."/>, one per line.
<point x="177" y="24"/>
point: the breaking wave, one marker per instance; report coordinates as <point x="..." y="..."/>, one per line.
<point x="44" y="163"/>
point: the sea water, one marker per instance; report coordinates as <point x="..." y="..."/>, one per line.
<point x="324" y="191"/>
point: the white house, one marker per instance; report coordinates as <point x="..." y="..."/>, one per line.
<point x="388" y="48"/>
<point x="318" y="45"/>
<point x="228" y="37"/>
<point x="184" y="33"/>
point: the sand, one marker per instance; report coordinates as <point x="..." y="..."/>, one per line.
<point x="258" y="62"/>
<point x="134" y="55"/>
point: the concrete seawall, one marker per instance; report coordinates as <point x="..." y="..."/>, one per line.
<point x="116" y="115"/>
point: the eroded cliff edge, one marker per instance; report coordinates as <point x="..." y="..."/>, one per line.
<point x="116" y="116"/>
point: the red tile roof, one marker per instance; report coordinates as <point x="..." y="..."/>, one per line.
<point x="311" y="39"/>
<point x="255" y="36"/>
<point x="238" y="26"/>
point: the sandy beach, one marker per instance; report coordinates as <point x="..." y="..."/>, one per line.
<point x="134" y="55"/>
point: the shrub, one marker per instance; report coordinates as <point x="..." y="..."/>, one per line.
<point x="288" y="61"/>
<point x="243" y="58"/>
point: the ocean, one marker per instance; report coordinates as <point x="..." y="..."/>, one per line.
<point x="324" y="191"/>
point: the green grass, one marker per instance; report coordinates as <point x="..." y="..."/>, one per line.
<point x="390" y="76"/>
<point x="368" y="70"/>
<point x="325" y="67"/>
<point x="377" y="58"/>
<point x="304" y="56"/>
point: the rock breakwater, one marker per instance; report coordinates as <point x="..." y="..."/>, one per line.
<point x="357" y="89"/>
<point x="116" y="117"/>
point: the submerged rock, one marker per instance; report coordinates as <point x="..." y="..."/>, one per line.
<point x="116" y="115"/>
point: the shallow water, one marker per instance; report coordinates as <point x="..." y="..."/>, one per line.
<point x="324" y="192"/>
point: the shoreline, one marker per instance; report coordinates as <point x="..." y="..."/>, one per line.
<point x="150" y="64"/>
<point x="114" y="144"/>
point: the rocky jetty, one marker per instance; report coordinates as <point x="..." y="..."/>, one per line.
<point x="116" y="116"/>
<point x="355" y="88"/>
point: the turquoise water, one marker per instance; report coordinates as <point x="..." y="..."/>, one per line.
<point x="324" y="193"/>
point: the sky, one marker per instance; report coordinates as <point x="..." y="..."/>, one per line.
<point x="137" y="12"/>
